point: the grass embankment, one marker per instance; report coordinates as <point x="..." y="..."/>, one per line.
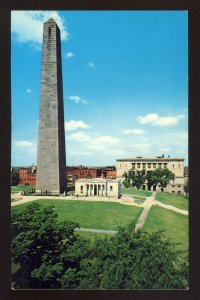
<point x="21" y="188"/>
<point x="132" y="191"/>
<point x="174" y="224"/>
<point x="97" y="215"/>
<point x="175" y="200"/>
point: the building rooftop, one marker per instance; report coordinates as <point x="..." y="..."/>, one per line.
<point x="97" y="180"/>
<point x="151" y="159"/>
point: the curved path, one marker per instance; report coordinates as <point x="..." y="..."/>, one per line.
<point x="96" y="230"/>
<point x="125" y="199"/>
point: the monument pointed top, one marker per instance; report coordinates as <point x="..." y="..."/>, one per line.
<point x="50" y="20"/>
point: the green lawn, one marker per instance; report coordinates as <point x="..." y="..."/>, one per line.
<point x="136" y="192"/>
<point x="98" y="215"/>
<point x="175" y="200"/>
<point x="92" y="235"/>
<point x="17" y="189"/>
<point x="174" y="224"/>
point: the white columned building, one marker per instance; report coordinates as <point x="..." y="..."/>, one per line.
<point x="97" y="187"/>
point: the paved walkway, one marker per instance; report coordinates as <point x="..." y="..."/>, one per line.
<point x="126" y="199"/>
<point x="20" y="199"/>
<point x="171" y="207"/>
<point x="96" y="230"/>
<point x="147" y="206"/>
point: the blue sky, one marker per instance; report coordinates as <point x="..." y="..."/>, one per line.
<point x="125" y="84"/>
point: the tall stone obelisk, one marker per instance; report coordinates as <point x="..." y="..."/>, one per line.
<point x="51" y="160"/>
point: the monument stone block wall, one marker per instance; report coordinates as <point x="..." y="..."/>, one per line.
<point x="51" y="160"/>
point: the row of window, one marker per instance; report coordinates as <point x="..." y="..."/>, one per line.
<point x="150" y="165"/>
<point x="111" y="188"/>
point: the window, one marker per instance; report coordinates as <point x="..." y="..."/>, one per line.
<point x="111" y="188"/>
<point x="154" y="165"/>
<point x="172" y="192"/>
<point x="133" y="165"/>
<point x="165" y="165"/>
<point x="149" y="166"/>
<point x="138" y="165"/>
<point x="172" y="185"/>
<point x="159" y="165"/>
<point x="81" y="189"/>
<point x="179" y="185"/>
<point x="173" y="166"/>
<point x="143" y="165"/>
<point x="179" y="192"/>
<point x="179" y="166"/>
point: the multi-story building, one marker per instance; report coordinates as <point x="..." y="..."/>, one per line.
<point x="27" y="176"/>
<point x="175" y="165"/>
<point x="186" y="175"/>
<point x="78" y="172"/>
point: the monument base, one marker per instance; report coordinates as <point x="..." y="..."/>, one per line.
<point x="48" y="193"/>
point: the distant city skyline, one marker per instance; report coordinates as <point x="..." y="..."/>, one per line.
<point x="125" y="80"/>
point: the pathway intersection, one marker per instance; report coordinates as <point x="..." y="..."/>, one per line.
<point x="126" y="199"/>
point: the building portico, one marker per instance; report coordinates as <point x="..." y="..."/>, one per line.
<point x="99" y="187"/>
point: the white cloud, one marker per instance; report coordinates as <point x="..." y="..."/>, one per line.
<point x="167" y="149"/>
<point x="69" y="55"/>
<point x="80" y="136"/>
<point x="105" y="139"/>
<point x="147" y="119"/>
<point x="81" y="153"/>
<point x="114" y="151"/>
<point x="141" y="145"/>
<point x="91" y="65"/>
<point x="94" y="143"/>
<point x="133" y="131"/>
<point x="73" y="125"/>
<point x="25" y="144"/>
<point x="28" y="25"/>
<point x="156" y="120"/>
<point x="28" y="91"/>
<point x="78" y="99"/>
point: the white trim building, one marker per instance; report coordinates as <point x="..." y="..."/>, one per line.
<point x="100" y="187"/>
<point x="175" y="165"/>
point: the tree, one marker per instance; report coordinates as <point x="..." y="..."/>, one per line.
<point x="39" y="244"/>
<point x="159" y="176"/>
<point x="164" y="176"/>
<point x="127" y="181"/>
<point x="151" y="178"/>
<point x="14" y="177"/>
<point x="133" y="260"/>
<point x="134" y="178"/>
<point x="51" y="255"/>
<point x="138" y="179"/>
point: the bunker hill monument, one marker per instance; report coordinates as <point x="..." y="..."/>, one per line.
<point x="51" y="160"/>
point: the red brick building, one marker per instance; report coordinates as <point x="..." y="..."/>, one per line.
<point x="27" y="176"/>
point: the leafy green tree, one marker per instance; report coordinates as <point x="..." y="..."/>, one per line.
<point x="38" y="244"/>
<point x="151" y="178"/>
<point x="51" y="255"/>
<point x="137" y="178"/>
<point x="159" y="176"/>
<point x="133" y="260"/>
<point x="126" y="181"/>
<point x="163" y="177"/>
<point x="14" y="177"/>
